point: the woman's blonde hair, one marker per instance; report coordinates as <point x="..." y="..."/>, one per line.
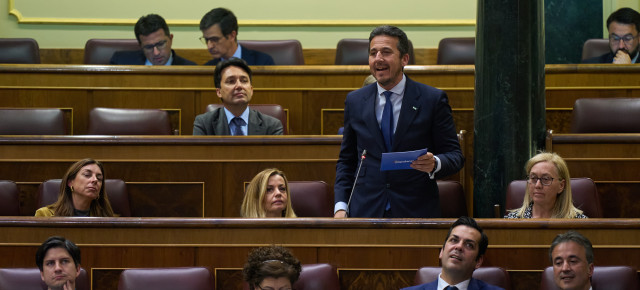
<point x="563" y="207"/>
<point x="100" y="207"/>
<point x="254" y="196"/>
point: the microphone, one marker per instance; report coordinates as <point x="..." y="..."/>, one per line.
<point x="364" y="153"/>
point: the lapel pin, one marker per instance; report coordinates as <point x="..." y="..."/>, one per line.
<point x="415" y="108"/>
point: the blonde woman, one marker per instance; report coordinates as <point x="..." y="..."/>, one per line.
<point x="548" y="191"/>
<point x="267" y="196"/>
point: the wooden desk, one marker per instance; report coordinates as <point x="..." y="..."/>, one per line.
<point x="313" y="96"/>
<point x="171" y="176"/>
<point x="611" y="160"/>
<point x="367" y="252"/>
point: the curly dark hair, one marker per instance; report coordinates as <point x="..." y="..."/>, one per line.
<point x="271" y="261"/>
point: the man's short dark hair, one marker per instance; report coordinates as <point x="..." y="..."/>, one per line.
<point x="573" y="236"/>
<point x="222" y="16"/>
<point x="57" y="242"/>
<point x="234" y="61"/>
<point x="470" y="222"/>
<point x="150" y="24"/>
<point x="625" y="15"/>
<point x="403" y="41"/>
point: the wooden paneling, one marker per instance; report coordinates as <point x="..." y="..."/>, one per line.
<point x="312" y="56"/>
<point x="366" y="252"/>
<point x="312" y="95"/>
<point x="611" y="160"/>
<point x="180" y="176"/>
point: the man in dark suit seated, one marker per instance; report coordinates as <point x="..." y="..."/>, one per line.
<point x="623" y="26"/>
<point x="571" y="255"/>
<point x="232" y="78"/>
<point x="220" y="34"/>
<point x="394" y="114"/>
<point x="155" y="40"/>
<point x="462" y="252"/>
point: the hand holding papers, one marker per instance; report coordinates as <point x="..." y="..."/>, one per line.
<point x="400" y="160"/>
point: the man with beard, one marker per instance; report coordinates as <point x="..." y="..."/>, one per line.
<point x="462" y="252"/>
<point x="623" y="26"/>
<point x="59" y="263"/>
<point x="394" y="114"/>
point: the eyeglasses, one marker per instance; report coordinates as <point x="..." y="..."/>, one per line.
<point x="546" y="180"/>
<point x="213" y="39"/>
<point x="627" y="38"/>
<point x="159" y="45"/>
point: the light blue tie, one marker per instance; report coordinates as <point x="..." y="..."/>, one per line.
<point x="386" y="124"/>
<point x="238" y="123"/>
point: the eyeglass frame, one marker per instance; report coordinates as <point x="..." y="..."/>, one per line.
<point x="627" y="39"/>
<point x="160" y="45"/>
<point x="541" y="179"/>
<point x="213" y="39"/>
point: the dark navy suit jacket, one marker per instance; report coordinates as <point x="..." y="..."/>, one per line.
<point x="605" y="58"/>
<point x="425" y="121"/>
<point x="252" y="57"/>
<point x="474" y="284"/>
<point x="136" y="57"/>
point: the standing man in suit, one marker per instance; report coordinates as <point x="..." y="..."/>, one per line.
<point x="220" y="34"/>
<point x="59" y="263"/>
<point x="155" y="41"/>
<point x="462" y="252"/>
<point x="232" y="78"/>
<point x="571" y="255"/>
<point x="392" y="115"/>
<point x="623" y="26"/>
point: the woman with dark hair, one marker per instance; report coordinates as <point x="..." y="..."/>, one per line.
<point x="271" y="268"/>
<point x="82" y="192"/>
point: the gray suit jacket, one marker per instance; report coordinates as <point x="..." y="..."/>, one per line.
<point x="215" y="123"/>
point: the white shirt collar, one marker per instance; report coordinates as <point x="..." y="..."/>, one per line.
<point x="461" y="286"/>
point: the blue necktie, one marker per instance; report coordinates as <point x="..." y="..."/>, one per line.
<point x="238" y="123"/>
<point x="386" y="124"/>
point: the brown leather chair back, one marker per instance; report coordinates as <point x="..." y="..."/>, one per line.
<point x="584" y="193"/>
<point x="116" y="190"/>
<point x="355" y="51"/>
<point x="100" y="51"/>
<point x="109" y="121"/>
<point x="311" y="198"/>
<point x="606" y="115"/>
<point x="314" y="277"/>
<point x="452" y="201"/>
<point x="9" y="198"/>
<point x="272" y="110"/>
<point x="604" y="277"/>
<point x="491" y="275"/>
<point x="283" y="52"/>
<point x="595" y="47"/>
<point x="192" y="278"/>
<point x="457" y="50"/>
<point x="29" y="279"/>
<point x="32" y="122"/>
<point x="19" y="50"/>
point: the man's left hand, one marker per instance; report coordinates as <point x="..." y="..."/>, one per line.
<point x="424" y="163"/>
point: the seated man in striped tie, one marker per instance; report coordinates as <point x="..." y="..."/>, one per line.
<point x="232" y="79"/>
<point x="462" y="253"/>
